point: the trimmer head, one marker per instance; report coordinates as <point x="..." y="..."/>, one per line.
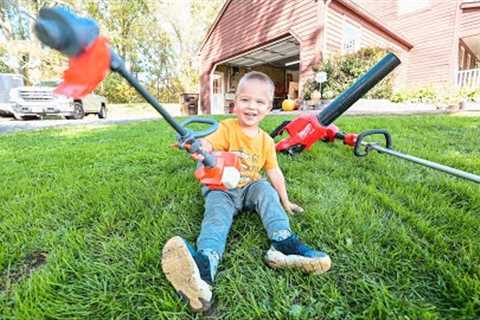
<point x="90" y="60"/>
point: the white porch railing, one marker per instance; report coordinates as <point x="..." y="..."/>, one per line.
<point x="469" y="78"/>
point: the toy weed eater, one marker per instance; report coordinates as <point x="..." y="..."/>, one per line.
<point x="90" y="60"/>
<point x="307" y="129"/>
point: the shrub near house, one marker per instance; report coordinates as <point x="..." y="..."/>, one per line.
<point x="343" y="70"/>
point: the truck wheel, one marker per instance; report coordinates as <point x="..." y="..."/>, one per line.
<point x="103" y="112"/>
<point x="26" y="118"/>
<point x="78" y="112"/>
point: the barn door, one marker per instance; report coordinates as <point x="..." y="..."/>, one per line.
<point x="218" y="94"/>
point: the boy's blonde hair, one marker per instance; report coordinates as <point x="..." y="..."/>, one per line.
<point x="260" y="76"/>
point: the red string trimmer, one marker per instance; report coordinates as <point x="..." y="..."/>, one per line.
<point x="307" y="129"/>
<point x="90" y="61"/>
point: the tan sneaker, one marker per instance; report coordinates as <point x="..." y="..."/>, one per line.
<point x="291" y="253"/>
<point x="181" y="270"/>
<point x="276" y="259"/>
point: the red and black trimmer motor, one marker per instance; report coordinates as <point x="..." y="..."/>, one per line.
<point x="90" y="60"/>
<point x="309" y="128"/>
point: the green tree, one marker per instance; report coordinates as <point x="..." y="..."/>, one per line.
<point x="158" y="39"/>
<point x="187" y="21"/>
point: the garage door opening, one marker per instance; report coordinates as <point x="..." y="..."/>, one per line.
<point x="279" y="60"/>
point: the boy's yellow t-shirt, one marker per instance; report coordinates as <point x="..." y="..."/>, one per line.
<point x="255" y="153"/>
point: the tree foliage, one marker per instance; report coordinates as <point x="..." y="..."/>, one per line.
<point x="158" y="40"/>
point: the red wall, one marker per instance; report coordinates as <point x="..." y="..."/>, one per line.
<point x="249" y="24"/>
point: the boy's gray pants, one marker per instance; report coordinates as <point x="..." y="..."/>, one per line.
<point x="222" y="206"/>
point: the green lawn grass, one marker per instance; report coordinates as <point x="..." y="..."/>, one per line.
<point x="84" y="213"/>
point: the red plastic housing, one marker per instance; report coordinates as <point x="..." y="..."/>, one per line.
<point x="306" y="130"/>
<point x="212" y="177"/>
<point x="350" y="139"/>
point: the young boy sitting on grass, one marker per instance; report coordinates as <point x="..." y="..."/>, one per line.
<point x="190" y="271"/>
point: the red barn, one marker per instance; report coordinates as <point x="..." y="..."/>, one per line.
<point x="286" y="38"/>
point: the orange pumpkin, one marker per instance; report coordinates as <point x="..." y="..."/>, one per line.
<point x="288" y="105"/>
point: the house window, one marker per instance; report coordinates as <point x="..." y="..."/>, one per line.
<point x="351" y="38"/>
<point x="408" y="6"/>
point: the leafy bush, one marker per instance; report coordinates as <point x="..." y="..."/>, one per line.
<point x="426" y="94"/>
<point x="4" y="68"/>
<point x="437" y="95"/>
<point x="343" y="70"/>
<point x="117" y="90"/>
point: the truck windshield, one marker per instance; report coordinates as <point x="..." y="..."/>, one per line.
<point x="8" y="82"/>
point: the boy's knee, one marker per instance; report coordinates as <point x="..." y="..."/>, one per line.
<point x="214" y="195"/>
<point x="263" y="190"/>
<point x="262" y="186"/>
<point x="217" y="198"/>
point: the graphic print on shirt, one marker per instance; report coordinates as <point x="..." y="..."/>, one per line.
<point x="249" y="167"/>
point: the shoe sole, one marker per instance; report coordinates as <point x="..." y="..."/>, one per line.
<point x="276" y="259"/>
<point x="182" y="272"/>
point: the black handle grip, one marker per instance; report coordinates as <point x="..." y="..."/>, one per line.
<point x="278" y="130"/>
<point x="358" y="144"/>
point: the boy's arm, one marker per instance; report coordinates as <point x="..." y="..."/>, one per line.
<point x="206" y="145"/>
<point x="278" y="181"/>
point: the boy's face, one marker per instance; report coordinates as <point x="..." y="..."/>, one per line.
<point x="252" y="103"/>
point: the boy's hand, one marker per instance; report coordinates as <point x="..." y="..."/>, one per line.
<point x="292" y="208"/>
<point x="206" y="146"/>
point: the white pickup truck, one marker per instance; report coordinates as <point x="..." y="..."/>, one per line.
<point x="40" y="101"/>
<point x="8" y="81"/>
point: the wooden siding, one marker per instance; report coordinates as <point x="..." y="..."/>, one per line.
<point x="334" y="33"/>
<point x="369" y="37"/>
<point x="432" y="31"/>
<point x="469" y="23"/>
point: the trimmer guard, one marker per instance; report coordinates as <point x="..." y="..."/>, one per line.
<point x="86" y="70"/>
